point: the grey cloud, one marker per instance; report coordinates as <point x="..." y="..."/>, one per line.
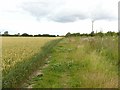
<point x="65" y="16"/>
<point x="37" y="9"/>
<point x="54" y="10"/>
<point x="40" y="8"/>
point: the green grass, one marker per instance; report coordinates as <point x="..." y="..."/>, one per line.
<point x="81" y="62"/>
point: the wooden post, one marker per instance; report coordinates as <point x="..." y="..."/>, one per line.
<point x="92" y="25"/>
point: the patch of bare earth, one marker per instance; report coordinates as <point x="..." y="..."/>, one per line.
<point x="36" y="73"/>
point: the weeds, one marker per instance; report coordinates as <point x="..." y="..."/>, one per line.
<point x="82" y="63"/>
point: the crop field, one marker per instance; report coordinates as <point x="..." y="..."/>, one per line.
<point x="69" y="62"/>
<point x="18" y="50"/>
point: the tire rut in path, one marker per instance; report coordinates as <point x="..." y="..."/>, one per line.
<point x="36" y="73"/>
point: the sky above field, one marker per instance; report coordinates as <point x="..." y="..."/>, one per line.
<point x="58" y="16"/>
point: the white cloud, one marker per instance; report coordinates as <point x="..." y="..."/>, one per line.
<point x="71" y="10"/>
<point x="57" y="16"/>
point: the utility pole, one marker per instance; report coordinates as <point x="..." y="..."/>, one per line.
<point x="92" y="25"/>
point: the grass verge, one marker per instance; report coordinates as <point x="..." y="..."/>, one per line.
<point x="77" y="62"/>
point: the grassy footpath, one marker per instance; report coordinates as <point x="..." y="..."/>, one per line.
<point x="21" y="71"/>
<point x="81" y="62"/>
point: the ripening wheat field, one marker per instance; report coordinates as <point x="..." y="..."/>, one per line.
<point x="17" y="50"/>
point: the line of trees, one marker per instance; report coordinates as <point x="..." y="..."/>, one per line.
<point x="101" y="34"/>
<point x="28" y="35"/>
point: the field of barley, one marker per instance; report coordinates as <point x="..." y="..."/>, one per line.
<point x="19" y="55"/>
<point x="69" y="62"/>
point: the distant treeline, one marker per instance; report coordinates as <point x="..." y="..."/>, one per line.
<point x="101" y="34"/>
<point x="28" y="35"/>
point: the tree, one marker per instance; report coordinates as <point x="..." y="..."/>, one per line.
<point x="77" y="34"/>
<point x="92" y="33"/>
<point x="25" y="34"/>
<point x="68" y="34"/>
<point x="6" y="33"/>
<point x="18" y="34"/>
<point x="110" y="33"/>
<point x="101" y="34"/>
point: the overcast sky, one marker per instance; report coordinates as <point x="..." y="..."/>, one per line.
<point x="58" y="16"/>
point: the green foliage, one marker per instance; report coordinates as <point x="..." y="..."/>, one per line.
<point x="75" y="62"/>
<point x="68" y="34"/>
<point x="109" y="33"/>
<point x="101" y="34"/>
<point x="92" y="34"/>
